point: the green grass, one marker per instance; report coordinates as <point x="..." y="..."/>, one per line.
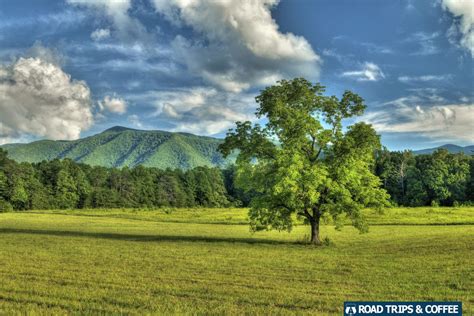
<point x="236" y="216"/>
<point x="187" y="261"/>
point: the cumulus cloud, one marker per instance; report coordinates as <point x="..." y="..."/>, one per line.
<point x="416" y="114"/>
<point x="113" y="104"/>
<point x="38" y="98"/>
<point x="202" y="110"/>
<point x="233" y="46"/>
<point x="240" y="44"/>
<point x="100" y="34"/>
<point x="464" y="11"/>
<point x="368" y="72"/>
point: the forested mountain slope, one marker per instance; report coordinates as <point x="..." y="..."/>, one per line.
<point x="120" y="147"/>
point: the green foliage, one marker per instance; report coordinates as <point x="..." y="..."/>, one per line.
<point x="302" y="162"/>
<point x="64" y="184"/>
<point x="5" y="206"/>
<point x="122" y="147"/>
<point x="18" y="196"/>
<point x="3" y="184"/>
<point x="437" y="179"/>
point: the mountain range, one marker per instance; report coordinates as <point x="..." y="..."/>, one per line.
<point x="454" y="149"/>
<point x="120" y="146"/>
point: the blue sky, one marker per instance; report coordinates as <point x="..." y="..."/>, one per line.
<point x="73" y="68"/>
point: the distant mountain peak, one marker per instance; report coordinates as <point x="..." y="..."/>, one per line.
<point x="121" y="146"/>
<point x="119" y="129"/>
<point x="452" y="148"/>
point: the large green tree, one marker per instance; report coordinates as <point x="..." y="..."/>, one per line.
<point x="301" y="161"/>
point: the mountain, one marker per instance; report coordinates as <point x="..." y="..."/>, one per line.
<point x="121" y="146"/>
<point x="454" y="149"/>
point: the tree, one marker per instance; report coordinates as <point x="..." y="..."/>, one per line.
<point x="470" y="184"/>
<point x="19" y="195"/>
<point x="394" y="169"/>
<point x="458" y="177"/>
<point x="67" y="196"/>
<point x="4" y="192"/>
<point x="208" y="188"/>
<point x="3" y="185"/>
<point x="301" y="162"/>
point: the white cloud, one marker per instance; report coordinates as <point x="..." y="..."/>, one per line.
<point x="202" y="110"/>
<point x="174" y="101"/>
<point x="113" y="104"/>
<point x="410" y="6"/>
<point x="63" y="19"/>
<point x="425" y="42"/>
<point x="417" y="114"/>
<point x="100" y="34"/>
<point x="135" y="121"/>
<point x="128" y="28"/>
<point x="368" y="72"/>
<point x="234" y="46"/>
<point x="211" y="120"/>
<point x="377" y="49"/>
<point x="38" y="98"/>
<point x="425" y="78"/>
<point x="46" y="54"/>
<point x="464" y="10"/>
<point x="240" y="43"/>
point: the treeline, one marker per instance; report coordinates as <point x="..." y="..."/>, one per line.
<point x="64" y="184"/>
<point x="437" y="179"/>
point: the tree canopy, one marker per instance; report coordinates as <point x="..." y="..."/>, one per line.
<point x="65" y="184"/>
<point x="302" y="161"/>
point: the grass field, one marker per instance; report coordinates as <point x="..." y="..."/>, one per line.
<point x="207" y="262"/>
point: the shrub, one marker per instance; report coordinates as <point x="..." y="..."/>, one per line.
<point x="5" y="206"/>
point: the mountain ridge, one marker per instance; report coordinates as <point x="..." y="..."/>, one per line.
<point x="120" y="146"/>
<point x="452" y="148"/>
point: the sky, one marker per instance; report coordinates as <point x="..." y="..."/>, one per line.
<point x="73" y="68"/>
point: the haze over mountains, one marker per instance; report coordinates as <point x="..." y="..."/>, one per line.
<point x="454" y="149"/>
<point x="121" y="146"/>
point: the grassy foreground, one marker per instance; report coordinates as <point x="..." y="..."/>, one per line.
<point x="189" y="261"/>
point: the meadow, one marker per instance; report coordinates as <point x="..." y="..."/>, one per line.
<point x="206" y="261"/>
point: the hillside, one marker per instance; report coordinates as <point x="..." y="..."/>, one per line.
<point x="454" y="149"/>
<point x="120" y="147"/>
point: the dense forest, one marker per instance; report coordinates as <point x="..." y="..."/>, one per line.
<point x="411" y="180"/>
<point x="64" y="184"/>
<point x="440" y="178"/>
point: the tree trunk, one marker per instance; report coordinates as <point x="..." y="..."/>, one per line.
<point x="315" y="231"/>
